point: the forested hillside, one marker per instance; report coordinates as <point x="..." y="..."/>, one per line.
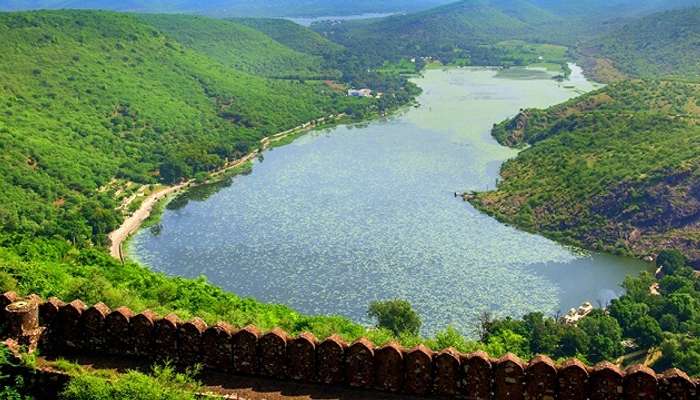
<point x="240" y="47"/>
<point x="465" y="32"/>
<point x="293" y="35"/>
<point x="229" y="8"/>
<point x="145" y="107"/>
<point x="615" y="170"/>
<point x="665" y="44"/>
<point x="468" y="31"/>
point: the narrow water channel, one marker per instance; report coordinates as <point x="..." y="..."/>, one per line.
<point x="352" y="214"/>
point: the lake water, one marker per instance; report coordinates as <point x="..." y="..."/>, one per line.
<point x="308" y="21"/>
<point x="353" y="214"/>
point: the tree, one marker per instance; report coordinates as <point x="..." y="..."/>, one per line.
<point x="395" y="315"/>
<point x="573" y="341"/>
<point x="605" y="336"/>
<point x="671" y="260"/>
<point x="507" y="341"/>
<point x="646" y="331"/>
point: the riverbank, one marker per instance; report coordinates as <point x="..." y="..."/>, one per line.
<point x="632" y="191"/>
<point x="365" y="211"/>
<point x="135" y="221"/>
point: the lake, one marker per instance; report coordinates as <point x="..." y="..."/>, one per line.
<point x="352" y="214"/>
<point x="308" y="21"/>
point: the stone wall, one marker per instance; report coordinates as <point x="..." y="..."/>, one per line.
<point x="73" y="328"/>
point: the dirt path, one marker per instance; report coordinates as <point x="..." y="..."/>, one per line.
<point x="134" y="222"/>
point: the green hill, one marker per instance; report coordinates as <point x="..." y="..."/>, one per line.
<point x="229" y="8"/>
<point x="238" y="46"/>
<point x="143" y="106"/>
<point x="292" y="35"/>
<point x="466" y="32"/>
<point x="662" y="44"/>
<point x="616" y="170"/>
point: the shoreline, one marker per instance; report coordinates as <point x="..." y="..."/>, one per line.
<point x="135" y="221"/>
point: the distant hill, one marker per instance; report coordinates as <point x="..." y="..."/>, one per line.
<point x="463" y="30"/>
<point x="230" y="8"/>
<point x="661" y="44"/>
<point x="292" y="35"/>
<point x="616" y="170"/>
<point x="89" y="97"/>
<point x="238" y="46"/>
<point x="469" y="30"/>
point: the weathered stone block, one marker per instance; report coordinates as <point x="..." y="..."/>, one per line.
<point x="541" y="379"/>
<point x="6" y="299"/>
<point x="245" y="350"/>
<point x="189" y="339"/>
<point x="388" y="368"/>
<point x="330" y="361"/>
<point x="476" y="378"/>
<point x="217" y="347"/>
<point x="359" y="364"/>
<point x="142" y="333"/>
<point x="273" y="354"/>
<point x="509" y="378"/>
<point x="48" y="311"/>
<point x="640" y="383"/>
<point x="301" y="358"/>
<point x="446" y="373"/>
<point x="165" y="341"/>
<point x="67" y="324"/>
<point x="92" y="323"/>
<point x="22" y="323"/>
<point x="675" y="384"/>
<point x="606" y="382"/>
<point x="418" y="367"/>
<point x="119" y="338"/>
<point x="573" y="380"/>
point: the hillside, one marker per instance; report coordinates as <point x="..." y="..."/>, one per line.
<point x="145" y="107"/>
<point x="614" y="170"/>
<point x="466" y="31"/>
<point x="663" y="44"/>
<point x="237" y="46"/>
<point x="229" y="8"/>
<point x="292" y="35"/>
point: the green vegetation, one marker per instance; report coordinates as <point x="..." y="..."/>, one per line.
<point x="395" y="315"/>
<point x="659" y="45"/>
<point x="93" y="102"/>
<point x="145" y="107"/>
<point x="667" y="321"/>
<point x="294" y="36"/>
<point x="240" y="47"/>
<point x="466" y="33"/>
<point x="270" y="8"/>
<point x="163" y="383"/>
<point x="613" y="170"/>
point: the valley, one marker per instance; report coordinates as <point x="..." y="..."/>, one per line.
<point x="443" y="175"/>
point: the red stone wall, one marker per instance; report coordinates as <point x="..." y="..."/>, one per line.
<point x="75" y="328"/>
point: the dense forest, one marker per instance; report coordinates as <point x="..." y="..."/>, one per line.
<point x="613" y="170"/>
<point x="660" y="45"/>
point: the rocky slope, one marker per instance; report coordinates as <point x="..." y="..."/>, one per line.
<point x="617" y="170"/>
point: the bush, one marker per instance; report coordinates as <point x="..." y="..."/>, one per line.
<point x="395" y="315"/>
<point x="671" y="260"/>
<point x="163" y="384"/>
